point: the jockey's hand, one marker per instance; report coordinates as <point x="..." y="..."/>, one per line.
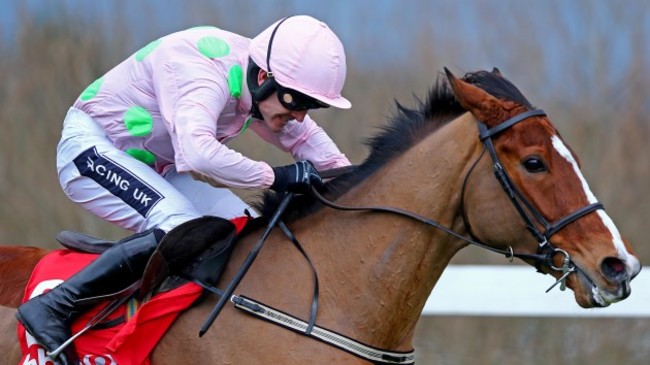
<point x="296" y="178"/>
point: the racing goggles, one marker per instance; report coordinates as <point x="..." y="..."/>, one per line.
<point x="296" y="101"/>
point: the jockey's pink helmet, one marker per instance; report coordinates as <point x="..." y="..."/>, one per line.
<point x="306" y="56"/>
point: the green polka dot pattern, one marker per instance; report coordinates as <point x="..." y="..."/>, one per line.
<point x="146" y="50"/>
<point x="138" y="121"/>
<point x="92" y="90"/>
<point x="213" y="47"/>
<point x="142" y="155"/>
<point x="235" y="78"/>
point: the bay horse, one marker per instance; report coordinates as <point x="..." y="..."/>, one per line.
<point x="431" y="176"/>
<point x="16" y="264"/>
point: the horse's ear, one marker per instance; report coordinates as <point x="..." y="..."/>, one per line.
<point x="477" y="101"/>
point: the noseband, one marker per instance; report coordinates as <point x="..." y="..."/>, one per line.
<point x="528" y="212"/>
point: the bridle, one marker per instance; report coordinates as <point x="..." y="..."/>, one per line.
<point x="545" y="250"/>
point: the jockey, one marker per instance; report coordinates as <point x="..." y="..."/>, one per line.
<point x="144" y="145"/>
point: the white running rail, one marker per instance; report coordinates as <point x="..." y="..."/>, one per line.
<point x="519" y="291"/>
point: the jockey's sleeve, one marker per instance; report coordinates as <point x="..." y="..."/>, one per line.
<point x="192" y="96"/>
<point x="305" y="141"/>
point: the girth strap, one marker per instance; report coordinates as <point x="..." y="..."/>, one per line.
<point x="377" y="356"/>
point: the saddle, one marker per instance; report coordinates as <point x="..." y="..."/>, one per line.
<point x="197" y="250"/>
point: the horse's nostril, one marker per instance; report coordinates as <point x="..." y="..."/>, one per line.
<point x="614" y="268"/>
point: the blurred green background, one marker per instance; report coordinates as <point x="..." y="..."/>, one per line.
<point x="587" y="63"/>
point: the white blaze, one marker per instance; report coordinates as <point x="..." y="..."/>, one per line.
<point x="631" y="261"/>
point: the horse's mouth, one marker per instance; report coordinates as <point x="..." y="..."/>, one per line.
<point x="595" y="296"/>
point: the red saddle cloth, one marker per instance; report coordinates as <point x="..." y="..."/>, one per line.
<point x="128" y="343"/>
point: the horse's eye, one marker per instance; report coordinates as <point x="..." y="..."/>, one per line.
<point x="534" y="164"/>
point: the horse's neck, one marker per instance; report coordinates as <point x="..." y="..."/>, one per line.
<point x="383" y="267"/>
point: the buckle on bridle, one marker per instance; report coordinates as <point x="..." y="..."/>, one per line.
<point x="544" y="243"/>
<point x="566" y="269"/>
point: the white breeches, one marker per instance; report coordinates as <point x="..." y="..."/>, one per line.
<point x="122" y="190"/>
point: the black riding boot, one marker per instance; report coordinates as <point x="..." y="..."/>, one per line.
<point x="48" y="317"/>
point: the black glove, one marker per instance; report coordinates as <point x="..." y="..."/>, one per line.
<point x="296" y="178"/>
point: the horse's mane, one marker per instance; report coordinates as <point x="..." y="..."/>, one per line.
<point x="405" y="128"/>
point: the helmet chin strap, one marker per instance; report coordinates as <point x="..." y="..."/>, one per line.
<point x="262" y="91"/>
<point x="254" y="88"/>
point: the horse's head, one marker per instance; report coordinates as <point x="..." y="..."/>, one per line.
<point x="547" y="195"/>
